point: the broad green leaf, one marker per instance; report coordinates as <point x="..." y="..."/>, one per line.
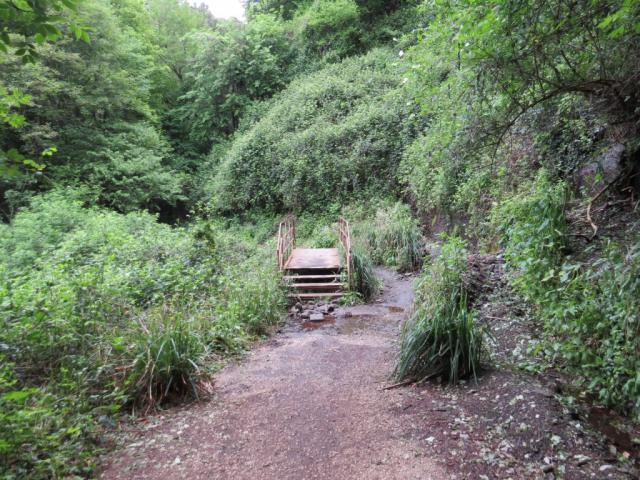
<point x="19" y="395"/>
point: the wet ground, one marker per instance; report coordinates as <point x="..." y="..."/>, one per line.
<point x="310" y="404"/>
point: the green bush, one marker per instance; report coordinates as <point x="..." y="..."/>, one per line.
<point x="441" y="338"/>
<point x="130" y="171"/>
<point x="42" y="435"/>
<point x="393" y="238"/>
<point x="533" y="228"/>
<point x="329" y="28"/>
<point x="589" y="309"/>
<point x="110" y="310"/>
<point x="252" y="294"/>
<point x="170" y="354"/>
<point x="320" y="141"/>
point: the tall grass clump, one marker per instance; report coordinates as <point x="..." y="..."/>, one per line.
<point x="363" y="278"/>
<point x="170" y="356"/>
<point x="394" y="238"/>
<point x="441" y="339"/>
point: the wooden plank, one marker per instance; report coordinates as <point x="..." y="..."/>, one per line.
<point x="317" y="286"/>
<point x="311" y="277"/>
<point x="313" y="258"/>
<point x="316" y="295"/>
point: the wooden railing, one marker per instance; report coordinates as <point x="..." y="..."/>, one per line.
<point x="286" y="240"/>
<point x="345" y="241"/>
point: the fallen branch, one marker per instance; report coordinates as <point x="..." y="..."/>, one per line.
<point x="598" y="195"/>
<point x="400" y="384"/>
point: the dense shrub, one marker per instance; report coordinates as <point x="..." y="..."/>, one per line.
<point x="42" y="435"/>
<point x="107" y="310"/>
<point x="441" y="338"/>
<point x="320" y="141"/>
<point x="590" y="310"/>
<point x="329" y="28"/>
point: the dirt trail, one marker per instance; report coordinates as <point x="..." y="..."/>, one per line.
<point x="309" y="404"/>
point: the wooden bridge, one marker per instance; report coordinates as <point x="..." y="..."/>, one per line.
<point x="314" y="273"/>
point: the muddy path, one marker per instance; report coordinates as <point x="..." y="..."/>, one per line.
<point x="310" y="404"/>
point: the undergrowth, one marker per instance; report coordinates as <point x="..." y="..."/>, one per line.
<point x="441" y="338"/>
<point x="101" y="312"/>
<point x="589" y="309"/>
<point x="393" y="238"/>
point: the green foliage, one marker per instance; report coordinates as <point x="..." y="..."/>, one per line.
<point x="330" y="27"/>
<point x="42" y="435"/>
<point x="253" y="294"/>
<point x="115" y="310"/>
<point x="170" y="358"/>
<point x="489" y="75"/>
<point x="29" y="22"/>
<point x="324" y="236"/>
<point x="233" y="66"/>
<point x="393" y="238"/>
<point x="534" y="228"/>
<point x="131" y="173"/>
<point x="364" y="280"/>
<point x="320" y="141"/>
<point x="589" y="309"/>
<point x="441" y="339"/>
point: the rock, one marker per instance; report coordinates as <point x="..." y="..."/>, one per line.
<point x="547" y="468"/>
<point x="581" y="460"/>
<point x="609" y="164"/>
<point x="605" y="467"/>
<point x="305" y="314"/>
<point x="106" y="421"/>
<point x="298" y="306"/>
<point x="316" y="317"/>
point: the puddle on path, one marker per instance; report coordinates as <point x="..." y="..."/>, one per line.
<point x="309" y="325"/>
<point x="394" y="309"/>
<point x="353" y="324"/>
<point x="377" y="320"/>
<point x="359" y="323"/>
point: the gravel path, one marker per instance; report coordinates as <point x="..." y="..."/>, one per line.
<point x="310" y="404"/>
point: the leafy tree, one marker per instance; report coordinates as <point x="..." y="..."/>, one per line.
<point x="234" y="66"/>
<point x="85" y="97"/>
<point x="285" y="9"/>
<point x="25" y="23"/>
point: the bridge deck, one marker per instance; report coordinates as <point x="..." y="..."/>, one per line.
<point x="313" y="258"/>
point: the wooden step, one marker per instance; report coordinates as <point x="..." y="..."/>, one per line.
<point x="316" y="295"/>
<point x="311" y="277"/>
<point x="317" y="286"/>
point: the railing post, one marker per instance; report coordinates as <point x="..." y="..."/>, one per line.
<point x="286" y="240"/>
<point x="345" y="240"/>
